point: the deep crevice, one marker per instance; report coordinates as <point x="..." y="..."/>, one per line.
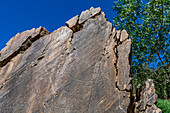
<point x="1" y="86"/>
<point x="8" y="59"/>
<point x="71" y="39"/>
<point x="117" y="86"/>
<point x="23" y="48"/>
<point x="116" y="61"/>
<point x="78" y="26"/>
<point x="40" y="58"/>
<point x="130" y="106"/>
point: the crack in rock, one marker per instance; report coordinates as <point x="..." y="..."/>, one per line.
<point x="81" y="67"/>
<point x="20" y="42"/>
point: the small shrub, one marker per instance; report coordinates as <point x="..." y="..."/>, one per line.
<point x="164" y="105"/>
<point x="21" y="52"/>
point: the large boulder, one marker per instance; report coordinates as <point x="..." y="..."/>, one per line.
<point x="83" y="67"/>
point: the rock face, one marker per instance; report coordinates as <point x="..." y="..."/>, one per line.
<point x="20" y="42"/>
<point x="146" y="99"/>
<point x="82" y="67"/>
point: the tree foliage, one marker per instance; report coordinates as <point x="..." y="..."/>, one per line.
<point x="148" y="25"/>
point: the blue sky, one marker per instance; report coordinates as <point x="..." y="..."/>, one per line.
<point x="20" y="15"/>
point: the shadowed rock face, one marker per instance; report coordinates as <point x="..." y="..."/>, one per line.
<point x="82" y="67"/>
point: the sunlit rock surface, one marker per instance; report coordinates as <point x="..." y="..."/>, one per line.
<point x="83" y="67"/>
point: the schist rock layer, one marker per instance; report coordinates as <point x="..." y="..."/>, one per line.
<point x="83" y="67"/>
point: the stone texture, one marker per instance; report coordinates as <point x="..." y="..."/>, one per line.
<point x="88" y="14"/>
<point x="84" y="16"/>
<point x="81" y="70"/>
<point x="94" y="11"/>
<point x="145" y="103"/>
<point x="118" y="34"/>
<point x="72" y="22"/>
<point x="20" y="42"/>
<point x="124" y="35"/>
<point x="123" y="65"/>
<point x="153" y="109"/>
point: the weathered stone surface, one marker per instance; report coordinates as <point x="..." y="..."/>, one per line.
<point x="147" y="99"/>
<point x="88" y="14"/>
<point x="72" y="22"/>
<point x="153" y="109"/>
<point x="20" y="42"/>
<point x="124" y="35"/>
<point x="84" y="16"/>
<point x="118" y="34"/>
<point x="94" y="11"/>
<point x="123" y="65"/>
<point x="81" y="70"/>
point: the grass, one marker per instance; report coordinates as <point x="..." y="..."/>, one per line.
<point x="164" y="105"/>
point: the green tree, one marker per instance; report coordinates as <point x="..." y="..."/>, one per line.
<point x="148" y="25"/>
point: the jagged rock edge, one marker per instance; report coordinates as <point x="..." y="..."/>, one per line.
<point x="28" y="41"/>
<point x="25" y="45"/>
<point x="117" y="41"/>
<point x="80" y="27"/>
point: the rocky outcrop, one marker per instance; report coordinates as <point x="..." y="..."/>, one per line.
<point x="146" y="99"/>
<point x="83" y="67"/>
<point x="20" y="42"/>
